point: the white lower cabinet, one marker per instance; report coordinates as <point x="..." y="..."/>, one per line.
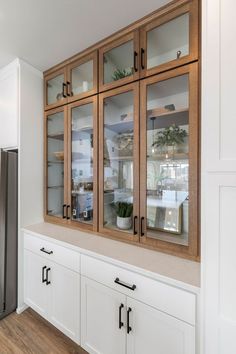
<point x="114" y="323"/>
<point x="53" y="291"/>
<point x="154" y="332"/>
<point x="36" y="292"/>
<point x="105" y="308"/>
<point x="102" y="318"/>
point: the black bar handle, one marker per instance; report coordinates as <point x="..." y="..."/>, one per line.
<point x="135" y="61"/>
<point x="64" y="88"/>
<point x="121" y="324"/>
<point x="134" y="225"/>
<point x="142" y="58"/>
<point x="68" y="88"/>
<point x="47" y="281"/>
<point x="142" y="231"/>
<point x="131" y="287"/>
<point x="67" y="212"/>
<point x="43" y="274"/>
<point x="129" y="329"/>
<point x="63" y="211"/>
<point x="45" y="251"/>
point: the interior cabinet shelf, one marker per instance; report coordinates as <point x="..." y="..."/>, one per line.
<point x="170" y="156"/>
<point x="57" y="136"/>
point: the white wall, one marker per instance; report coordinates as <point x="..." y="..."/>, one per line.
<point x="218" y="177"/>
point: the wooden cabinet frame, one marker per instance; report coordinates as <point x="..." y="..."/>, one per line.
<point x="92" y="100"/>
<point x="46" y="115"/>
<point x="132" y="36"/>
<point x="190" y="7"/>
<point x="137" y="32"/>
<point x="192" y="250"/>
<point x="115" y="233"/>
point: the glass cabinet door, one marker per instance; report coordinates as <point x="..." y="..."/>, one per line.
<point x="83" y="163"/>
<point x="169" y="136"/>
<point x="118" y="157"/>
<point x="55" y="121"/>
<point x="170" y="41"/>
<point x="82" y="77"/>
<point x="118" y="62"/>
<point x="55" y="89"/>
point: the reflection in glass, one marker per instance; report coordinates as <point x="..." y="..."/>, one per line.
<point x="82" y="164"/>
<point x="118" y="62"/>
<point x="167" y="160"/>
<point x="54" y="89"/>
<point x="118" y="161"/>
<point x="55" y="164"/>
<point x="82" y="78"/>
<point x="168" y="42"/>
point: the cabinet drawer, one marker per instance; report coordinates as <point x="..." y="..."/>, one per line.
<point x="169" y="299"/>
<point x="53" y="252"/>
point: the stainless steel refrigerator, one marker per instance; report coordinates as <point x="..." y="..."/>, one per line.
<point x="8" y="231"/>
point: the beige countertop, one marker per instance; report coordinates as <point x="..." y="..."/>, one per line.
<point x="177" y="271"/>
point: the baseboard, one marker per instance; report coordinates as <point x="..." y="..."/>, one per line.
<point x="21" y="309"/>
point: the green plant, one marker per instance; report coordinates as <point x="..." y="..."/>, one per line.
<point x="119" y="74"/>
<point x="171" y="136"/>
<point x="124" y="209"/>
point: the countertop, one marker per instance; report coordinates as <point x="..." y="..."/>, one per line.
<point x="163" y="267"/>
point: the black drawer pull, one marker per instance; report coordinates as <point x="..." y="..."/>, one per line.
<point x="134" y="225"/>
<point x="135" y="61"/>
<point x="142" y="58"/>
<point x="63" y="211"/>
<point x="47" y="281"/>
<point x="142" y="230"/>
<point x="68" y="89"/>
<point x="64" y="88"/>
<point x="43" y="274"/>
<point x="121" y="324"/>
<point x="129" y="329"/>
<point x="131" y="287"/>
<point x="45" y="251"/>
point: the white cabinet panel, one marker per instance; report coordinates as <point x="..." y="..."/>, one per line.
<point x="37" y="293"/>
<point x="64" y="310"/>
<point x="100" y="332"/>
<point x="154" y="332"/>
<point x="218" y="88"/>
<point x="9" y="106"/>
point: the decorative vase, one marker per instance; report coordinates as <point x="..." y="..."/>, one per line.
<point x="170" y="151"/>
<point x="124" y="223"/>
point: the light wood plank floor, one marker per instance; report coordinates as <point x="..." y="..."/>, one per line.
<point x="30" y="333"/>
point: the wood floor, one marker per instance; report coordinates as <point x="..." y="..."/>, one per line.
<point x="30" y="333"/>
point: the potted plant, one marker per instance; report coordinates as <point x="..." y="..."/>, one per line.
<point x="170" y="138"/>
<point x="120" y="74"/>
<point x="124" y="212"/>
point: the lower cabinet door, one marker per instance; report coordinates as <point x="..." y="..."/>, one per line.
<point x="36" y="293"/>
<point x="64" y="311"/>
<point x="102" y="319"/>
<point x="154" y="332"/>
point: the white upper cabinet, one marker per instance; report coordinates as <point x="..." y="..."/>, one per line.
<point x="9" y="106"/>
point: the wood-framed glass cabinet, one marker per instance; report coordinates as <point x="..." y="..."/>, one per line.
<point x="71" y="164"/>
<point x="122" y="135"/>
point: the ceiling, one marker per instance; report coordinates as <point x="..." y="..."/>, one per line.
<point x="46" y="32"/>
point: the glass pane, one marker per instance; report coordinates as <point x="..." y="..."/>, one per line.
<point x="118" y="62"/>
<point x="55" y="163"/>
<point x="167" y="160"/>
<point x="82" y="78"/>
<point x="118" y="161"/>
<point x="168" y="41"/>
<point x="82" y="164"/>
<point x="54" y="89"/>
